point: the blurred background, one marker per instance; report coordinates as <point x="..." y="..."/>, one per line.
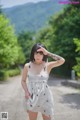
<point x="54" y="23"/>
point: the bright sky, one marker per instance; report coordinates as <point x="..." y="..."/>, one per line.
<point x="10" y="3"/>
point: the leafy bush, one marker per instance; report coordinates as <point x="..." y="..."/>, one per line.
<point x="4" y="74"/>
<point x="13" y="72"/>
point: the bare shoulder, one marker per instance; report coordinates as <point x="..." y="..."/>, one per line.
<point x="25" y="71"/>
<point x="26" y="66"/>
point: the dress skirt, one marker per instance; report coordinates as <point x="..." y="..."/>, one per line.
<point x="41" y="99"/>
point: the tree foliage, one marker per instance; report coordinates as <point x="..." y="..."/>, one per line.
<point x="65" y="28"/>
<point x="44" y="36"/>
<point x="59" y="36"/>
<point x="10" y="51"/>
<point x="77" y="66"/>
<point x="26" y="41"/>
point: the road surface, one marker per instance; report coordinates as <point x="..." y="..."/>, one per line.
<point x="67" y="100"/>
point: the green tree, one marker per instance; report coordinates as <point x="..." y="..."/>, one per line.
<point x="26" y="42"/>
<point x="65" y="27"/>
<point x="77" y="66"/>
<point x="10" y="51"/>
<point x="44" y="36"/>
<point x="58" y="37"/>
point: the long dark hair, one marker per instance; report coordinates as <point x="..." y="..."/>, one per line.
<point x="34" y="49"/>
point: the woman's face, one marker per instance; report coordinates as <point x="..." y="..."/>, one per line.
<point x="38" y="56"/>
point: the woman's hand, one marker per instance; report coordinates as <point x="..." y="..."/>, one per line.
<point x="27" y="95"/>
<point x="45" y="52"/>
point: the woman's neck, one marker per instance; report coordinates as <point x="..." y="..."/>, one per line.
<point x="36" y="63"/>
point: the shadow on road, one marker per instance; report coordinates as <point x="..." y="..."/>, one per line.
<point x="54" y="81"/>
<point x="73" y="100"/>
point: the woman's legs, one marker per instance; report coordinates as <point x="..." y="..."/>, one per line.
<point x="46" y="117"/>
<point x="32" y="115"/>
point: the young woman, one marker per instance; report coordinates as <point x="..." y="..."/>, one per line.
<point x="38" y="96"/>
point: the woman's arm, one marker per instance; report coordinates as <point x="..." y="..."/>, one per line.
<point x="23" y="81"/>
<point x="58" y="61"/>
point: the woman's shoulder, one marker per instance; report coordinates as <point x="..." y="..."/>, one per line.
<point x="27" y="64"/>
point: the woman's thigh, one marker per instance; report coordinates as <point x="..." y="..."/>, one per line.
<point x="46" y="117"/>
<point x="32" y="115"/>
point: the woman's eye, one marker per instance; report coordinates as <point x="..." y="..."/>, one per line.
<point x="41" y="53"/>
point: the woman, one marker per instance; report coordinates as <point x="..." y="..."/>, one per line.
<point x="38" y="96"/>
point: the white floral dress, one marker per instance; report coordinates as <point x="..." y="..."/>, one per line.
<point x="41" y="99"/>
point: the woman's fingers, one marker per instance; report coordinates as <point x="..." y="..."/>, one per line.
<point x="43" y="50"/>
<point x="39" y="49"/>
<point x="27" y="95"/>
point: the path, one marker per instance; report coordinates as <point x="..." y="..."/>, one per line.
<point x="67" y="100"/>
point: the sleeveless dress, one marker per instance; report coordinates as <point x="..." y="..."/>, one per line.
<point x="41" y="99"/>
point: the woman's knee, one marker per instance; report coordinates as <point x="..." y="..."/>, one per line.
<point x="46" y="117"/>
<point x="32" y="115"/>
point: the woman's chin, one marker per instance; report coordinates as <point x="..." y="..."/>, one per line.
<point x="38" y="61"/>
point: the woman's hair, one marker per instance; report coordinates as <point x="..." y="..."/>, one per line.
<point x="34" y="49"/>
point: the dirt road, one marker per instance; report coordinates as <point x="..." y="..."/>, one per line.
<point x="67" y="100"/>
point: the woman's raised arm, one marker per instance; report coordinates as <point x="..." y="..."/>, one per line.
<point x="58" y="61"/>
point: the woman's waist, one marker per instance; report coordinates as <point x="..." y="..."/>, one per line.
<point x="37" y="81"/>
<point x="37" y="87"/>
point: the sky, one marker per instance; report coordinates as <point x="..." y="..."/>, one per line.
<point x="10" y="3"/>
